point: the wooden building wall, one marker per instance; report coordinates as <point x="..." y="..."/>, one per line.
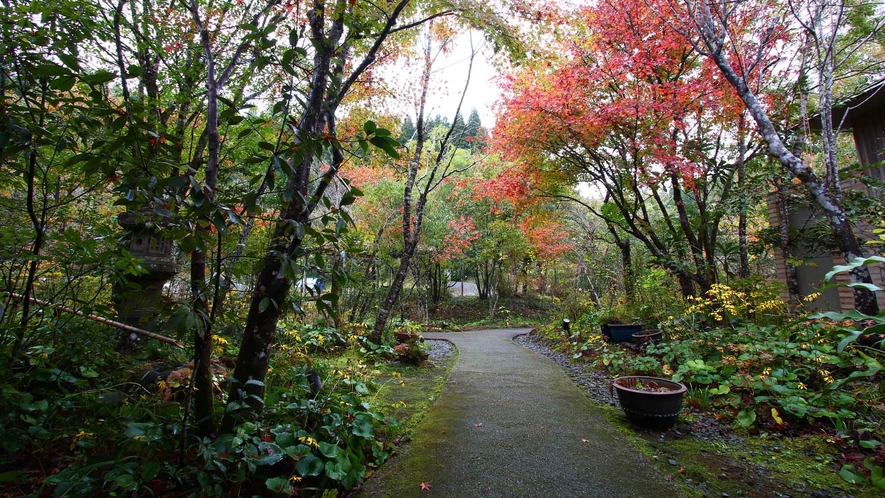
<point x="869" y="138"/>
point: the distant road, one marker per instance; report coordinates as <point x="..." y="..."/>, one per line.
<point x="463" y="289"/>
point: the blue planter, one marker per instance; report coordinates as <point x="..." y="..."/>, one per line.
<point x="617" y="332"/>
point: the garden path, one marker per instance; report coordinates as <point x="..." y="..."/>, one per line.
<point x="510" y="423"/>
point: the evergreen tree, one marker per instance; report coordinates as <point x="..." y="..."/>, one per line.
<point x="407" y="131"/>
<point x="459" y="129"/>
<point x="474" y="133"/>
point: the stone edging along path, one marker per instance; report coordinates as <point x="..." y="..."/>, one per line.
<point x="510" y="423"/>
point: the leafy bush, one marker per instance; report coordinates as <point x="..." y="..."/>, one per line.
<point x="738" y="360"/>
<point x="311" y="338"/>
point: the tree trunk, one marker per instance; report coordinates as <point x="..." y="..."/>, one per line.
<point x="411" y="232"/>
<point x="391" y="298"/>
<point x="433" y="177"/>
<point x="743" y="246"/>
<point x="701" y="275"/>
<point x="864" y="300"/>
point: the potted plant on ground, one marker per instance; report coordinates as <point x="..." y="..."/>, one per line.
<point x="650" y="401"/>
<point x="406" y="331"/>
<point x="618" y="324"/>
<point x="413" y="351"/>
<point x="650" y="336"/>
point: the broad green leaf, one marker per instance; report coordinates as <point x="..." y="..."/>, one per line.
<point x="11" y="476"/>
<point x="855" y="263"/>
<point x="87" y="372"/>
<point x="329" y="450"/>
<point x="363" y="426"/>
<point x="99" y="77"/>
<point x="70" y="61"/>
<point x="746" y="418"/>
<point x="124" y="480"/>
<point x="850" y="475"/>
<point x="51" y="69"/>
<point x="386" y="144"/>
<point x="279" y="485"/>
<point x="310" y="465"/>
<point x="150" y="470"/>
<point x="270" y="454"/>
<point x="877" y="477"/>
<point x="336" y="470"/>
<point x="869" y="287"/>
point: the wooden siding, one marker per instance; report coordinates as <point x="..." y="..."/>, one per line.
<point x="869" y="138"/>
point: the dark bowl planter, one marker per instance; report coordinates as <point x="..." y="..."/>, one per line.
<point x="650" y="401"/>
<point x="647" y="336"/>
<point x="620" y="332"/>
<point x="403" y="337"/>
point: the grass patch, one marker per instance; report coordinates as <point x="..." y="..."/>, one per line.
<point x="406" y="392"/>
<point x="763" y="465"/>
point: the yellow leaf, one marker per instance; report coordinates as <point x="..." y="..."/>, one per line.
<point x="776" y="417"/>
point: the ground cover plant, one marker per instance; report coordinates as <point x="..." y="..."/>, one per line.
<point x="748" y="364"/>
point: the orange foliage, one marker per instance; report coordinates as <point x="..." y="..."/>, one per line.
<point x="461" y="234"/>
<point x="548" y="237"/>
<point x="624" y="71"/>
<point x="363" y="176"/>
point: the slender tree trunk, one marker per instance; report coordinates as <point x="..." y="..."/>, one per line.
<point x="204" y="401"/>
<point x="411" y="231"/>
<point x="435" y="174"/>
<point x="864" y="300"/>
<point x="493" y="291"/>
<point x="701" y="275"/>
<point x="272" y="284"/>
<point x="743" y="246"/>
<point x="623" y="244"/>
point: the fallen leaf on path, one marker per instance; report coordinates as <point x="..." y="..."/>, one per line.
<point x="478" y="425"/>
<point x="425" y="486"/>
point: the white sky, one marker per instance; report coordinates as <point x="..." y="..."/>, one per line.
<point x="447" y="82"/>
<point x="483" y="91"/>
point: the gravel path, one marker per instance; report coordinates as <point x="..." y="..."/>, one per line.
<point x="595" y="384"/>
<point x="439" y="350"/>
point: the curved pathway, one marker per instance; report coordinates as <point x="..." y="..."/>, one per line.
<point x="510" y="423"/>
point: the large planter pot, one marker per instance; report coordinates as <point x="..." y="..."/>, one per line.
<point x="618" y="332"/>
<point x="403" y="337"/>
<point x="647" y="336"/>
<point x="650" y="401"/>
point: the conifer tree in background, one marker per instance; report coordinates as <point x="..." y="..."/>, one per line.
<point x="473" y="132"/>
<point x="408" y="131"/>
<point x="459" y="130"/>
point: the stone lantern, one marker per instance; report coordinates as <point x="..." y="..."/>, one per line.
<point x="141" y="302"/>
